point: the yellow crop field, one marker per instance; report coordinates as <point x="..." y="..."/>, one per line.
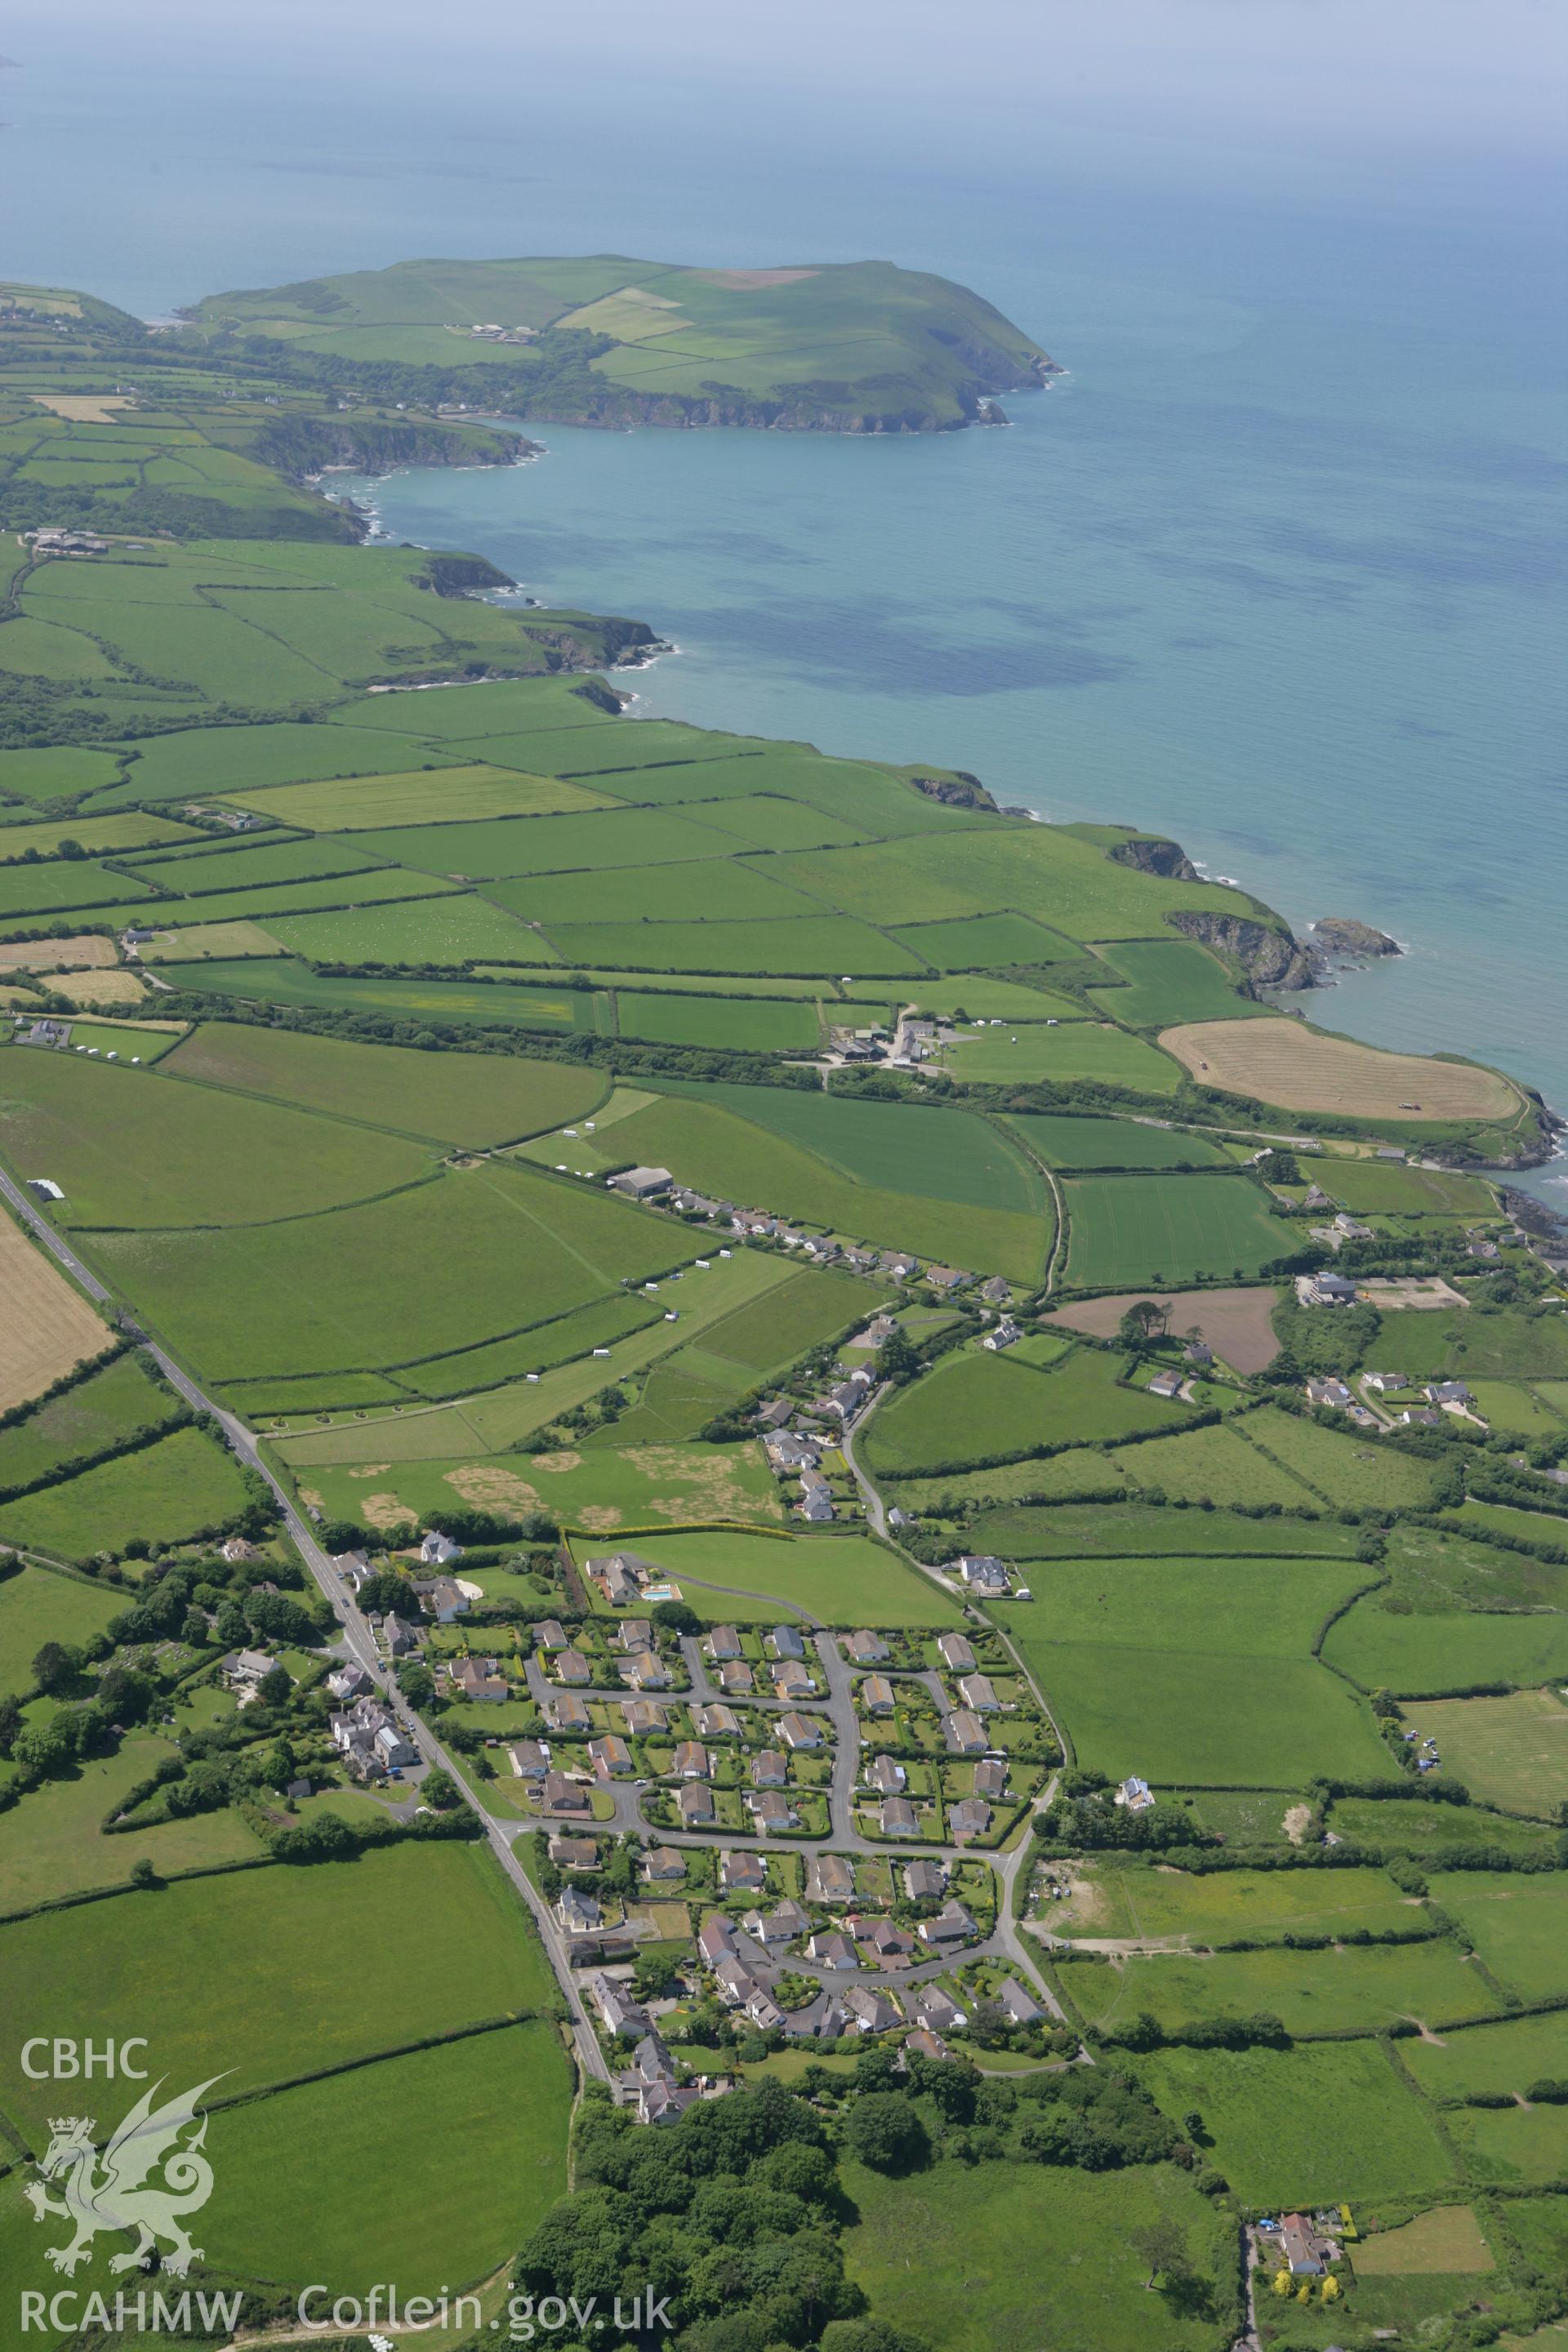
<point x="1285" y="1062"/>
<point x="47" y="1328"/>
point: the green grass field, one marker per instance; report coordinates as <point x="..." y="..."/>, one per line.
<point x="938" y="2253"/>
<point x="254" y="1973"/>
<point x="165" y="1492"/>
<point x="1063" y="1142"/>
<point x="1217" y="1465"/>
<point x="831" y="945"/>
<point x="976" y="1404"/>
<point x="98" y="1413"/>
<point x="475" y="1100"/>
<point x="37" y="1607"/>
<point x="1306" y="2126"/>
<point x="1169" y="981"/>
<point x="490" y="849"/>
<point x="1439" y="1343"/>
<point x="1398" y="1826"/>
<point x="1071" y="1531"/>
<point x="1507" y="2057"/>
<point x="1340" y="1469"/>
<point x="490" y="1004"/>
<point x="1077" y="1050"/>
<point x="130" y="1150"/>
<point x="1515" y="1922"/>
<point x="595" y="1492"/>
<point x="53" y="1843"/>
<point x="728" y="889"/>
<point x="837" y="1580"/>
<point x="1129" y="1900"/>
<point x="747" y="1025"/>
<point x="459" y="929"/>
<point x="558" y="1342"/>
<point x="476" y="1255"/>
<point x="1126" y="1230"/>
<point x="982" y="942"/>
<point x="1511" y="1752"/>
<point x="481" y="2126"/>
<point x="1311" y="1992"/>
<point x="1511" y="2146"/>
<point x="1371" y="1188"/>
<point x="1409" y="1655"/>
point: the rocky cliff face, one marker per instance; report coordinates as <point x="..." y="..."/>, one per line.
<point x="299" y="446"/>
<point x="1342" y="935"/>
<point x="1270" y="959"/>
<point x="1151" y="855"/>
<point x="960" y="790"/>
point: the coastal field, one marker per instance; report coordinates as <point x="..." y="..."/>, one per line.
<point x="1284" y="1062"/>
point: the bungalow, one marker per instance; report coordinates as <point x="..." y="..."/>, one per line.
<point x="970" y="1818"/>
<point x="833" y="1951"/>
<point x="642" y="1183"/>
<point x="1448" y="1393"/>
<point x="952" y="1925"/>
<point x="880" y="1328"/>
<point x="770" y="1769"/>
<point x="1135" y="1794"/>
<point x="642" y="1716"/>
<point x="633" y="1635"/>
<point x="799" y="1731"/>
<point x="574" y="1852"/>
<point x="1016" y="2004"/>
<point x="1006" y="1334"/>
<point x="997" y="1291"/>
<point x="1166" y="1383"/>
<point x="899" y="1818"/>
<point x="612" y="1758"/>
<point x="662" y="1862"/>
<point x="564" y="1711"/>
<point x="846" y="1397"/>
<point x="773" y="1415"/>
<point x="829" y="1879"/>
<point x="979" y="1695"/>
<point x="1302" y="2248"/>
<point x="791" y="1680"/>
<point x="564" y="1796"/>
<point x="1197" y="1351"/>
<point x="816" y="1505"/>
<point x="620" y="2014"/>
<point x="864" y="1649"/>
<point x="645" y="1670"/>
<point x="947" y="1278"/>
<point x="572" y="1666"/>
<point x="478" y="1680"/>
<point x="955" y="1653"/>
<point x="717" y="1940"/>
<point x="694" y="1802"/>
<point x="1330" y="1392"/>
<point x="1422" y="1418"/>
<point x="885" y="1777"/>
<point x="938" y="2008"/>
<point x="991" y="1777"/>
<point x="691" y="1762"/>
<point x="1386" y="1383"/>
<point x="354" y="1566"/>
<point x="438" y="1550"/>
<point x="781" y="1925"/>
<point x="982" y="1572"/>
<point x="925" y="1881"/>
<point x="741" y="1873"/>
<point x="784" y="1642"/>
<point x="900" y="1265"/>
<point x="790" y="1451"/>
<point x="820" y="1249"/>
<point x="964" y="1734"/>
<point x="924" y="2044"/>
<point x="873" y="2011"/>
<point x="235" y="1548"/>
<point x="877" y="1695"/>
<point x="859" y="1261"/>
<point x="552" y="1634"/>
<point x="718" y="1723"/>
<point x="773" y="1812"/>
<point x="736" y="1678"/>
<point x="724" y="1642"/>
<point x="1349" y="1228"/>
<point x="578" y="1913"/>
<point x="530" y="1759"/>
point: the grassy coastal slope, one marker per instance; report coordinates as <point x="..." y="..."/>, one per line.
<point x="853" y="347"/>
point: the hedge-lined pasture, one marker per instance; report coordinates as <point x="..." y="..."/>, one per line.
<point x="1439" y="1343"/>
<point x="165" y="1492"/>
<point x="1215" y="1464"/>
<point x="37" y="1607"/>
<point x="129" y="1150"/>
<point x="1341" y="1469"/>
<point x="808" y="945"/>
<point x="1509" y="1751"/>
<point x="465" y="1257"/>
<point x="422" y="796"/>
<point x="1515" y="1923"/>
<point x="730" y="890"/>
<point x="301" y="2194"/>
<point x="1078" y="1051"/>
<point x="745" y="1024"/>
<point x="1310" y="1992"/>
<point x="471" y="1100"/>
<point x="1493" y="2058"/>
<point x="99" y="1412"/>
<point x="457" y="929"/>
<point x="1071" y="1531"/>
<point x="1112" y="1143"/>
<point x="1221" y="1906"/>
<point x="974" y="1404"/>
<point x="1167" y="980"/>
<point x="596" y="1491"/>
<point x="53" y="1843"/>
<point x="1513" y="2145"/>
<point x="1305" y="2126"/>
<point x="1409" y="1655"/>
<point x="485" y="1004"/>
<point x="837" y="1579"/>
<point x="1161" y="1229"/>
<point x="568" y="1336"/>
<point x="1429" y="1830"/>
<point x="489" y="850"/>
<point x="974" y="943"/>
<point x="259" y="1974"/>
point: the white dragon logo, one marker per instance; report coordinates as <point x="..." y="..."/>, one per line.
<point x="110" y="2191"/>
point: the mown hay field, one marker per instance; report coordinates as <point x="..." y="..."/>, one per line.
<point x="1077" y="1050"/>
<point x="1509" y="1751"/>
<point x="1283" y="1061"/>
<point x="472" y="1100"/>
<point x="49" y="1327"/>
<point x="1159" y="1229"/>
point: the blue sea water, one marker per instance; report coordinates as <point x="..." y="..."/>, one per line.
<point x="1277" y="567"/>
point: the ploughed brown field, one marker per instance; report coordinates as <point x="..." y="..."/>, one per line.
<point x="1235" y="1322"/>
<point x="1285" y="1062"/>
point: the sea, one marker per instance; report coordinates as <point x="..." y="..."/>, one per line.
<point x="1276" y="566"/>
